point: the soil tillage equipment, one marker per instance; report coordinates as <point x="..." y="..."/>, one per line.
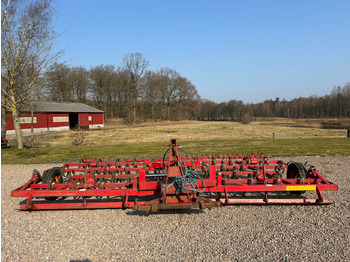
<point x="173" y="182"/>
<point x="182" y="186"/>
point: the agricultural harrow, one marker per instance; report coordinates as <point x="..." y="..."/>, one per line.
<point x="173" y="182"/>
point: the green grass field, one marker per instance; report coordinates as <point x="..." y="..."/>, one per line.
<point x="197" y="138"/>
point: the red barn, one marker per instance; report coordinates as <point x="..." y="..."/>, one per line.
<point x="53" y="116"/>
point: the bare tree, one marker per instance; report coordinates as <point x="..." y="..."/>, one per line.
<point x="102" y="83"/>
<point x="187" y="99"/>
<point x="3" y="122"/>
<point x="135" y="65"/>
<point x="27" y="43"/>
<point x="168" y="86"/>
<point x="121" y="94"/>
<point x="150" y="93"/>
<point x="59" y="83"/>
<point x="80" y="83"/>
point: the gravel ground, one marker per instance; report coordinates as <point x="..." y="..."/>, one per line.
<point x="231" y="233"/>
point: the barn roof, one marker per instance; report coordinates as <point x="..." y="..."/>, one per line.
<point x="65" y="107"/>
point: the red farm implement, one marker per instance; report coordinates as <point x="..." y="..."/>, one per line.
<point x="173" y="182"/>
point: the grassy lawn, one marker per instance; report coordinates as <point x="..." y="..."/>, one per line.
<point x="197" y="138"/>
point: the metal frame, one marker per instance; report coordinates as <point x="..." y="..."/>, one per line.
<point x="142" y="184"/>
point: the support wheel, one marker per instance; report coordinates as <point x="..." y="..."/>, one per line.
<point x="297" y="171"/>
<point x="51" y="177"/>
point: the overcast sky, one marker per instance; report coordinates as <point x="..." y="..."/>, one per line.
<point x="246" y="50"/>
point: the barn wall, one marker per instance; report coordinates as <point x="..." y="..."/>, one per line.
<point x="58" y="121"/>
<point x="53" y="122"/>
<point x="40" y="121"/>
<point x="84" y="120"/>
<point x="96" y="120"/>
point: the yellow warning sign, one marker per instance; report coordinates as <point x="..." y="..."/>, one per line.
<point x="301" y="188"/>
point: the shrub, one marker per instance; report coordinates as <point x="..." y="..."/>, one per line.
<point x="246" y="118"/>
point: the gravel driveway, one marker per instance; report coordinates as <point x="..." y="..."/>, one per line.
<point x="231" y="233"/>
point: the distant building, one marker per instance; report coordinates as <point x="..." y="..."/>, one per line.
<point x="53" y="116"/>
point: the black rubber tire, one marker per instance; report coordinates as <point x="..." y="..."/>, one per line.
<point x="296" y="170"/>
<point x="51" y="175"/>
<point x="44" y="176"/>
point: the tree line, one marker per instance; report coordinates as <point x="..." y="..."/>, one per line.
<point x="335" y="104"/>
<point x="129" y="91"/>
<point x="133" y="92"/>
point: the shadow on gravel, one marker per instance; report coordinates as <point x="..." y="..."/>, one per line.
<point x="165" y="212"/>
<point x="80" y="260"/>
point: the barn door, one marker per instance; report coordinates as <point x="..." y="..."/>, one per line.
<point x="73" y="120"/>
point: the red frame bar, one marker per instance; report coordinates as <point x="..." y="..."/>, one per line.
<point x="128" y="179"/>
